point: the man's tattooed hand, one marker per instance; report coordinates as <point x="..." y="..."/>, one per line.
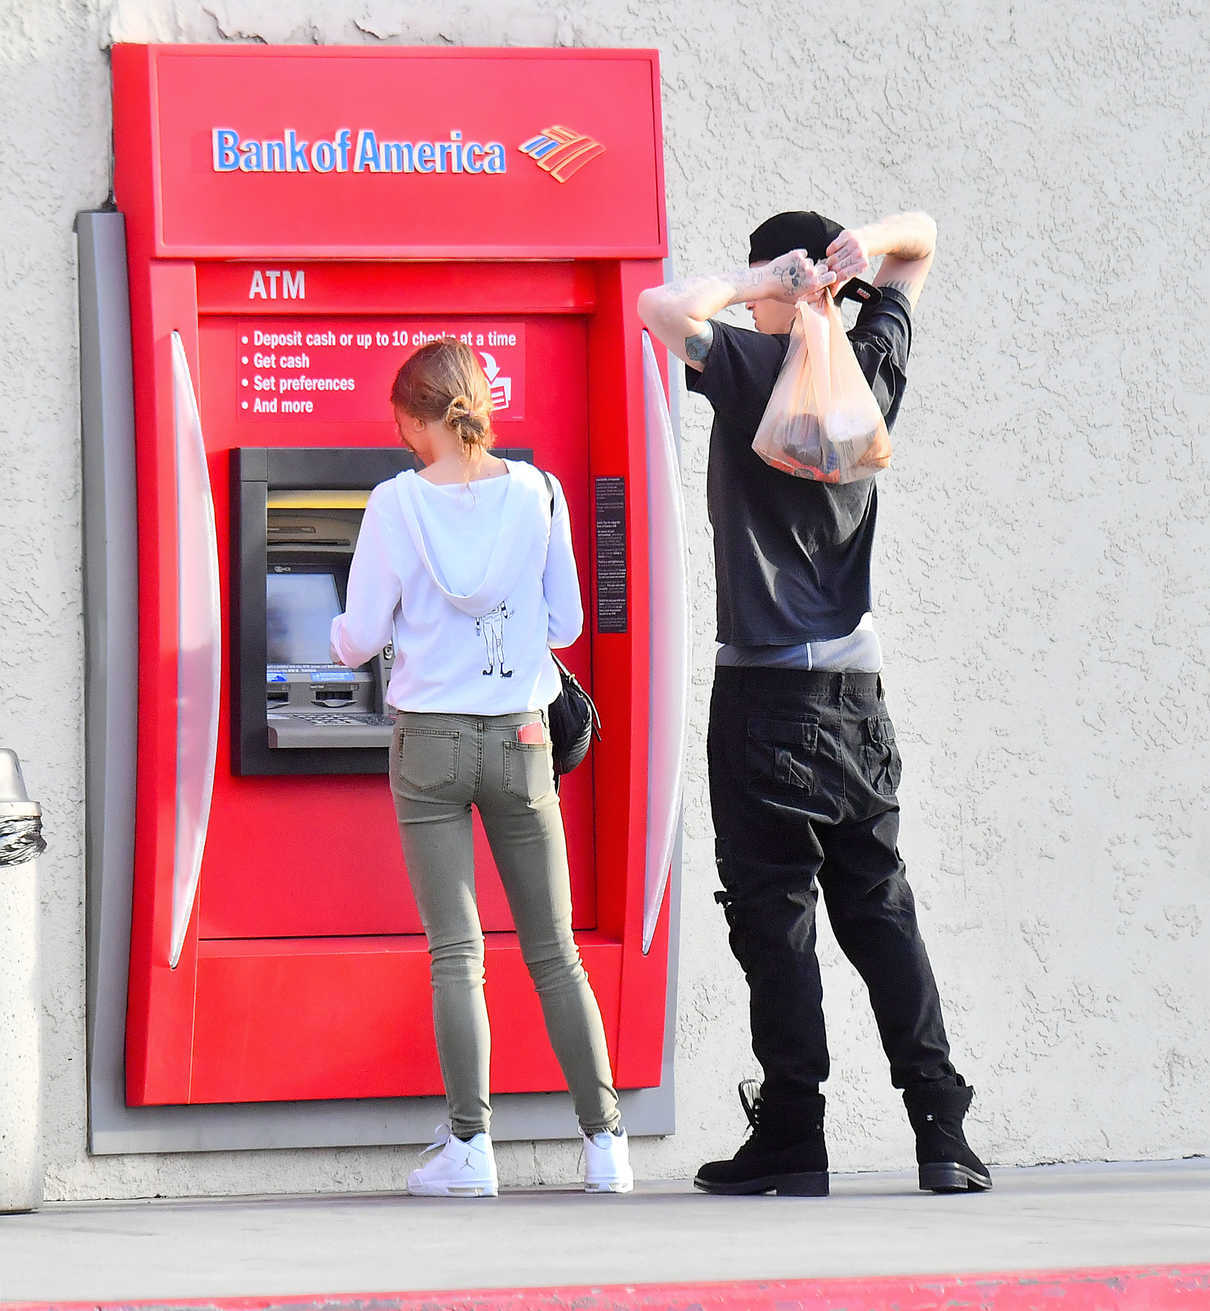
<point x="795" y="277"/>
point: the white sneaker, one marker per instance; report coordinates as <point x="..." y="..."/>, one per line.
<point x="607" y="1163"/>
<point x="458" y="1170"/>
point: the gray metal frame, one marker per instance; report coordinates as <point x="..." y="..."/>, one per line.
<point x="111" y="724"/>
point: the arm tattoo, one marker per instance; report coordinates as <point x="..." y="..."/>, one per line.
<point x="908" y="289"/>
<point x="680" y="286"/>
<point x="698" y="346"/>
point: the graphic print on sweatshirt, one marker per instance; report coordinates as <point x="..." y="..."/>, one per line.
<point x="490" y="627"/>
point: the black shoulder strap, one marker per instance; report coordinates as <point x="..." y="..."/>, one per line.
<point x="551" y="489"/>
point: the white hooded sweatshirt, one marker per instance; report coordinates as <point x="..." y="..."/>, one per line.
<point x="473" y="583"/>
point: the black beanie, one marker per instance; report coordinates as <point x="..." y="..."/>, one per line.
<point x="799" y="229"/>
<point x="803" y="229"/>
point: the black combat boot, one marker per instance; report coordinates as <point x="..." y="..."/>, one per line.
<point x="947" y="1164"/>
<point x="785" y="1152"/>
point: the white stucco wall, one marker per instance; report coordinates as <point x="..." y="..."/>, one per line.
<point x="1040" y="577"/>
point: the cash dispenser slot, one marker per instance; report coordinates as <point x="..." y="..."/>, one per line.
<point x="332" y="696"/>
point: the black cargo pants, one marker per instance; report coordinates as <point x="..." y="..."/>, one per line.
<point x="803" y="772"/>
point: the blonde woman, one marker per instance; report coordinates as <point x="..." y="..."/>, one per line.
<point x="465" y="567"/>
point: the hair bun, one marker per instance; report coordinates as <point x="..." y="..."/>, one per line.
<point x="458" y="408"/>
<point x="469" y="422"/>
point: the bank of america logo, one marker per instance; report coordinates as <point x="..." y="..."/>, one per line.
<point x="562" y="151"/>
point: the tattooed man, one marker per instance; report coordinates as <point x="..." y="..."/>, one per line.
<point x="802" y="758"/>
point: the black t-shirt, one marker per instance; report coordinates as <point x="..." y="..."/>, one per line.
<point x="791" y="556"/>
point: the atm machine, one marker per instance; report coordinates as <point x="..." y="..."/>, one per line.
<point x="301" y="546"/>
<point x="290" y="224"/>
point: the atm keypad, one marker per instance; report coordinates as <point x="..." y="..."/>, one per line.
<point x="368" y="720"/>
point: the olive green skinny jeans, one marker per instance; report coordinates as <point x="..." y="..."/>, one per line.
<point x="441" y="765"/>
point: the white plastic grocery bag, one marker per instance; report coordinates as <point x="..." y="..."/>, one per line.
<point x="822" y="420"/>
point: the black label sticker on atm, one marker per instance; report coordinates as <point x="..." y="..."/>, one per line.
<point x="611" y="555"/>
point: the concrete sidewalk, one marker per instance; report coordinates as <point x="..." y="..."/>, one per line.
<point x="1044" y="1218"/>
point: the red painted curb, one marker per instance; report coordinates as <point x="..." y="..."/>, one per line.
<point x="1142" y="1288"/>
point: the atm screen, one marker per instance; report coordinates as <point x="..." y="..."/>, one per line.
<point x="300" y="608"/>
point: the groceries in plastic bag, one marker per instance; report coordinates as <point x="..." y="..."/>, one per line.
<point x="822" y="421"/>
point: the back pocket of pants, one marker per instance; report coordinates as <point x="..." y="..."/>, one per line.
<point x="428" y="757"/>
<point x="781" y="751"/>
<point x="528" y="771"/>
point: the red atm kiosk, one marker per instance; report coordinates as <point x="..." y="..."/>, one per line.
<point x="298" y="220"/>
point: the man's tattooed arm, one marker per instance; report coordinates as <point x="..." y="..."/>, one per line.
<point x="904" y="276"/>
<point x="678" y="313"/>
<point x="907" y="242"/>
<point x="698" y="346"/>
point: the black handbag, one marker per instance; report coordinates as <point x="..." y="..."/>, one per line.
<point x="573" y="719"/>
<point x="572" y="716"/>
